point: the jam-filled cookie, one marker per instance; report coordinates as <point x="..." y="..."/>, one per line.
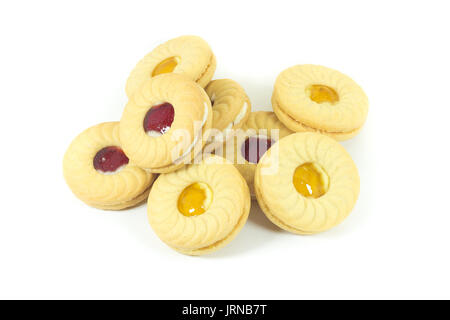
<point x="306" y="183"/>
<point x="165" y="123"/>
<point x="187" y="55"/>
<point x="259" y="133"/>
<point x="99" y="173"/>
<point x="230" y="104"/>
<point x="199" y="208"/>
<point x="318" y="99"/>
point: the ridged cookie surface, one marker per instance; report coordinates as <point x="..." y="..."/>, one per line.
<point x="127" y="187"/>
<point x="259" y="123"/>
<point x="289" y="209"/>
<point x="195" y="60"/>
<point x="231" y="105"/>
<point x="192" y="119"/>
<point x="294" y="107"/>
<point x="226" y="215"/>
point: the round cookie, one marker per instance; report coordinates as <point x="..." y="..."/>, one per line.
<point x="99" y="173"/>
<point x="199" y="208"/>
<point x="318" y="99"/>
<point x="166" y="123"/>
<point x="249" y="144"/>
<point x="230" y="104"/>
<point x="187" y="55"/>
<point x="306" y="183"/>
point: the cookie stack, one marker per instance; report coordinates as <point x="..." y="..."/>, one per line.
<point x="193" y="149"/>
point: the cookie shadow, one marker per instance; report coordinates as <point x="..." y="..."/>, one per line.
<point x="135" y="222"/>
<point x="257" y="232"/>
<point x="258" y="218"/>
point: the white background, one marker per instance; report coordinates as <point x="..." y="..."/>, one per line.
<point x="63" y="67"/>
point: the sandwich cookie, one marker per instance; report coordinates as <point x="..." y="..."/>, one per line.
<point x="258" y="134"/>
<point x="318" y="99"/>
<point x="199" y="208"/>
<point x="99" y="173"/>
<point x="306" y="183"/>
<point x="230" y="104"/>
<point x="165" y="123"/>
<point x="187" y="55"/>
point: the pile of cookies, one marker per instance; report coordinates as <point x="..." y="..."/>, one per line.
<point x="191" y="147"/>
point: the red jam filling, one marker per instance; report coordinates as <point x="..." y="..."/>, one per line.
<point x="110" y="159"/>
<point x="159" y="118"/>
<point x="254" y="148"/>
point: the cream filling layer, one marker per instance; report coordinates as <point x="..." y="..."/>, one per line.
<point x="236" y="120"/>
<point x="113" y="206"/>
<point x="197" y="135"/>
<point x="153" y="133"/>
<point x="308" y="128"/>
<point x="206" y="69"/>
<point x="239" y="117"/>
<point x="109" y="173"/>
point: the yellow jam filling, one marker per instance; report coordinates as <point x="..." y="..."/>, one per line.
<point x="310" y="180"/>
<point x="321" y="94"/>
<point x="195" y="199"/>
<point x="166" y="66"/>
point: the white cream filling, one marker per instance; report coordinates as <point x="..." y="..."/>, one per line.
<point x="154" y="134"/>
<point x="239" y="117"/>
<point x="241" y="114"/>
<point x="109" y="173"/>
<point x="197" y="136"/>
<point x="236" y="120"/>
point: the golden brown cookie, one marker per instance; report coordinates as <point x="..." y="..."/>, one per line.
<point x="99" y="173"/>
<point x="199" y="208"/>
<point x="165" y="123"/>
<point x="230" y="104"/>
<point x="261" y="130"/>
<point x="319" y="99"/>
<point x="306" y="183"/>
<point x="187" y="55"/>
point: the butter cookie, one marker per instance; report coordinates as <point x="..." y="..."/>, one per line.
<point x="99" y="173"/>
<point x="306" y="183"/>
<point x="230" y="105"/>
<point x="187" y="55"/>
<point x="199" y="208"/>
<point x="259" y="133"/>
<point x="165" y="123"/>
<point x="318" y="99"/>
